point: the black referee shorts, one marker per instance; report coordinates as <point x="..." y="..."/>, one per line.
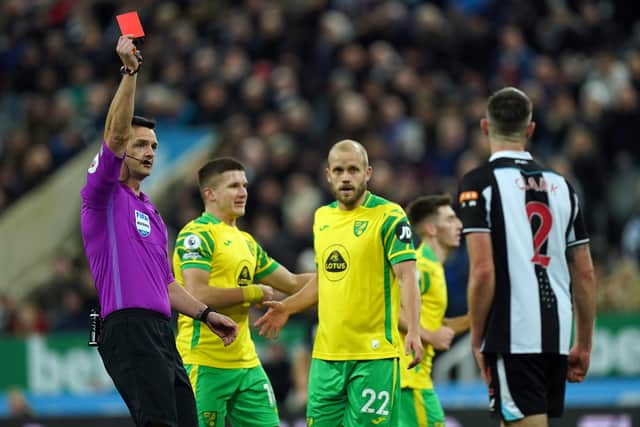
<point x="139" y="352"/>
<point x="526" y="384"/>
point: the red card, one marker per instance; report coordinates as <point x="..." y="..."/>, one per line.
<point x="130" y="24"/>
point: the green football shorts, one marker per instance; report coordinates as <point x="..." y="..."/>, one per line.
<point x="353" y="393"/>
<point x="244" y="395"/>
<point x="420" y="408"/>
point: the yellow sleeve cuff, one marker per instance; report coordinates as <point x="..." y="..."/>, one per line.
<point x="252" y="293"/>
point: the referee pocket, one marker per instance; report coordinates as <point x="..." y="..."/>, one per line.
<point x="117" y="345"/>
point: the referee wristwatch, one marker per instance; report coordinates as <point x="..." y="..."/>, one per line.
<point x="203" y="315"/>
<point x="125" y="70"/>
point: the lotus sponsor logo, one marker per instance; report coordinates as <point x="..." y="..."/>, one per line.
<point x="336" y="262"/>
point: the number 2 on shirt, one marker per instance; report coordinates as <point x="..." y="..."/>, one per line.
<point x="542" y="232"/>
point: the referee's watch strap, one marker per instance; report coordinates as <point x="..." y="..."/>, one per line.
<point x="202" y="316"/>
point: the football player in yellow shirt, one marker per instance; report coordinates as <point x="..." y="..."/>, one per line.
<point x="439" y="229"/>
<point x="220" y="264"/>
<point x="366" y="265"/>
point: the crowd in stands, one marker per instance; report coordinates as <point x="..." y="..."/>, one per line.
<point x="281" y="81"/>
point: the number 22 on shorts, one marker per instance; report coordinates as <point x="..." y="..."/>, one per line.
<point x="371" y="396"/>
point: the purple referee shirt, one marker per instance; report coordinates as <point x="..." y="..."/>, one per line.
<point x="125" y="241"/>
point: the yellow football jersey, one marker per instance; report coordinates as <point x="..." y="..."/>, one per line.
<point x="232" y="258"/>
<point x="359" y="297"/>
<point x="433" y="288"/>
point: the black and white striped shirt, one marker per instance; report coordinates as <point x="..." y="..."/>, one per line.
<point x="533" y="216"/>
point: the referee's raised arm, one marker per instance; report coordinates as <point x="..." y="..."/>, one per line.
<point x="117" y="129"/>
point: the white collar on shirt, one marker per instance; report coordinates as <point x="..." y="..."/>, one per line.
<point x="510" y="154"/>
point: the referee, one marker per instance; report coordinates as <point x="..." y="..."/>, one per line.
<point x="530" y="269"/>
<point x="125" y="241"/>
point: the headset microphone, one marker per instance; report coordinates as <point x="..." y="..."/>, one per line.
<point x="135" y="158"/>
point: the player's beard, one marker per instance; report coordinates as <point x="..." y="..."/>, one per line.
<point x="350" y="200"/>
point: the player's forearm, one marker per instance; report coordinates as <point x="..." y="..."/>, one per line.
<point x="117" y="129"/>
<point x="301" y="280"/>
<point x="222" y="297"/>
<point x="183" y="302"/>
<point x="196" y="282"/>
<point x="426" y="336"/>
<point x="295" y="284"/>
<point x="459" y="324"/>
<point x="402" y="321"/>
<point x="287" y="282"/>
<point x="304" y="298"/>
<point x="584" y="289"/>
<point x="410" y="300"/>
<point x="480" y="297"/>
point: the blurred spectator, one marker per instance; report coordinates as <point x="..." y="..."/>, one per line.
<point x="456" y="270"/>
<point x="620" y="184"/>
<point x="278" y="245"/>
<point x="631" y="230"/>
<point x="8" y="313"/>
<point x="19" y="409"/>
<point x="514" y="59"/>
<point x="588" y="170"/>
<point x="73" y="315"/>
<point x="450" y="143"/>
<point x="277" y="366"/>
<point x="607" y="79"/>
<point x="296" y="400"/>
<point x="618" y="291"/>
<point x="30" y="319"/>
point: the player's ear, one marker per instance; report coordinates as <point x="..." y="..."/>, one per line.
<point x="430" y="228"/>
<point x="208" y="194"/>
<point x="530" y="129"/>
<point x="327" y="175"/>
<point x="368" y="174"/>
<point x="484" y="125"/>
